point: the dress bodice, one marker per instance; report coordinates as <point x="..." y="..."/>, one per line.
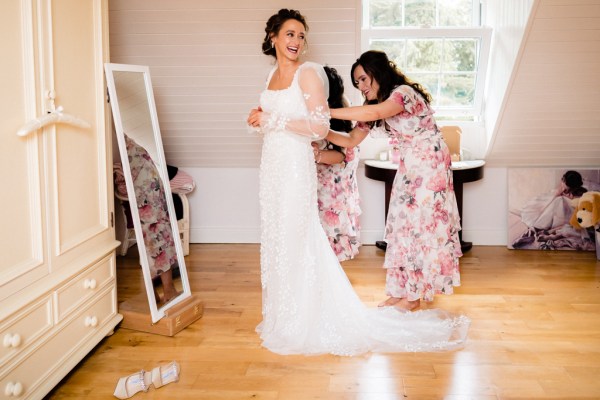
<point x="416" y="122"/>
<point x="288" y="102"/>
<point x="300" y="108"/>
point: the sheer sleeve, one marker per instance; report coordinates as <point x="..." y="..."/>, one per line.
<point x="314" y="86"/>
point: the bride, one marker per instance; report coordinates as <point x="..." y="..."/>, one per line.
<point x="309" y="305"/>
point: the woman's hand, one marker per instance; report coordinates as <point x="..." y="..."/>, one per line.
<point x="255" y="117"/>
<point x="316" y="152"/>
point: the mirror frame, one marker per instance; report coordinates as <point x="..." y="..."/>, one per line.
<point x="110" y="68"/>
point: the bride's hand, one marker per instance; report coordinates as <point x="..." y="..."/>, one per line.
<point x="255" y="117"/>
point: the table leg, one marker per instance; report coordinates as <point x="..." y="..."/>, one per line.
<point x="382" y="244"/>
<point x="458" y="192"/>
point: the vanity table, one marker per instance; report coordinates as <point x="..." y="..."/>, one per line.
<point x="462" y="172"/>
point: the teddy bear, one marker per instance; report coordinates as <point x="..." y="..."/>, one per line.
<point x="587" y="210"/>
<point x="587" y="215"/>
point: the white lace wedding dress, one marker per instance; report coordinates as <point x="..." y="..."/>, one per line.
<point x="309" y="305"/>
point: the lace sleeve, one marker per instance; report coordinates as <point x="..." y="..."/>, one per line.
<point x="314" y="86"/>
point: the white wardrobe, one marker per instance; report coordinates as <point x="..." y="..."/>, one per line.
<point x="57" y="241"/>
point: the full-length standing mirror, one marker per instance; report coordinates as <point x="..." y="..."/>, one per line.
<point x="148" y="190"/>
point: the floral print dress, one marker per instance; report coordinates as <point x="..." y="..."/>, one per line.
<point x="152" y="209"/>
<point x="423" y="220"/>
<point x="339" y="204"/>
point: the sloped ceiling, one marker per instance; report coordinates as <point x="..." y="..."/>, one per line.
<point x="550" y="115"/>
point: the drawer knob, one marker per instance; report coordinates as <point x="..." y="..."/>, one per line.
<point x="91" y="321"/>
<point x="89" y="284"/>
<point x="12" y="340"/>
<point x="13" y="389"/>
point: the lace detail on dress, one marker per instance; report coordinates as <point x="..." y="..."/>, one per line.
<point x="320" y="115"/>
<point x="302" y="108"/>
<point x="276" y="122"/>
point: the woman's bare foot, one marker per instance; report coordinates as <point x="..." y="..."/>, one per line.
<point x="170" y="293"/>
<point x="168" y="286"/>
<point x="390" y="302"/>
<point x="408" y="305"/>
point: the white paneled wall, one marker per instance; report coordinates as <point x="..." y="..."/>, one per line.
<point x="208" y="69"/>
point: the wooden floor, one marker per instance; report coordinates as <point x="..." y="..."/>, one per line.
<point x="535" y="334"/>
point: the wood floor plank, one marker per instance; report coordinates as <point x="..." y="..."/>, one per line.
<point x="535" y="334"/>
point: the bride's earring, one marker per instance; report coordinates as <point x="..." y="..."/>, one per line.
<point x="272" y="45"/>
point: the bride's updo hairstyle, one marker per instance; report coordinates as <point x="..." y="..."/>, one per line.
<point x="274" y="26"/>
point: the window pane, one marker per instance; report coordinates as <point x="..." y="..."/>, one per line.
<point x="395" y="50"/>
<point x="385" y="13"/>
<point x="457" y="90"/>
<point x="446" y="65"/>
<point x="423" y="55"/>
<point x="429" y="81"/>
<point x="460" y="55"/>
<point x="420" y="13"/>
<point x="456" y="13"/>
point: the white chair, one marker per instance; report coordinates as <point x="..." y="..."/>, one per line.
<point x="184" y="224"/>
<point x="452" y="135"/>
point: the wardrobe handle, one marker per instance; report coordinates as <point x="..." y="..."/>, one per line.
<point x="12" y="340"/>
<point x="90" y="284"/>
<point x="91" y="321"/>
<point x="13" y="389"/>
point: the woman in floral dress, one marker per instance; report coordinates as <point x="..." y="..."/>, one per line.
<point x="337" y="192"/>
<point x="422" y="226"/>
<point x="338" y="199"/>
<point x="154" y="217"/>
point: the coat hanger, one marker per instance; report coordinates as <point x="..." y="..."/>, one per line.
<point x="53" y="117"/>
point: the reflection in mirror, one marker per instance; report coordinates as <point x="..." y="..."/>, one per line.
<point x="149" y="194"/>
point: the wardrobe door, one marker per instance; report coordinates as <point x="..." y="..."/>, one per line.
<point x="56" y="208"/>
<point x="79" y="177"/>
<point x="23" y="233"/>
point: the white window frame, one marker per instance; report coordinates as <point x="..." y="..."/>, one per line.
<point x="480" y="33"/>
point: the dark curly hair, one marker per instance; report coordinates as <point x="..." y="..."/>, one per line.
<point x="336" y="99"/>
<point x="274" y="26"/>
<point x="574" y="183"/>
<point x="378" y="66"/>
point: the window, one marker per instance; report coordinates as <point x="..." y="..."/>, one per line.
<point x="437" y="43"/>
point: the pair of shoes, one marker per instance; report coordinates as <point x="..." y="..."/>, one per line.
<point x="130" y="385"/>
<point x="164" y="374"/>
<point x="141" y="380"/>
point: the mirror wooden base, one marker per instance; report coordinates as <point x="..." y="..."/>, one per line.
<point x="136" y="316"/>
